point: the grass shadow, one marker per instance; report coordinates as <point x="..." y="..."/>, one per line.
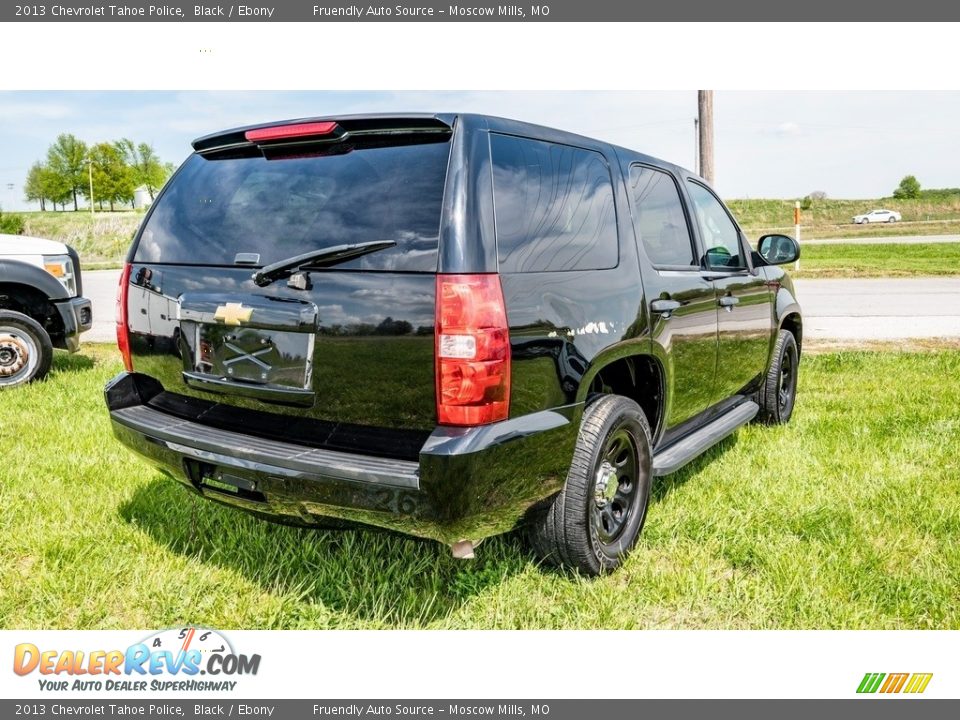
<point x="662" y="487"/>
<point x="64" y="362"/>
<point x="373" y="577"/>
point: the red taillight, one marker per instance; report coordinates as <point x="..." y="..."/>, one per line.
<point x="282" y="132"/>
<point x="123" y="332"/>
<point x="472" y="350"/>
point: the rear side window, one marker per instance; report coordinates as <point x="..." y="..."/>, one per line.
<point x="554" y="206"/>
<point x="217" y="207"/>
<point x="659" y="219"/>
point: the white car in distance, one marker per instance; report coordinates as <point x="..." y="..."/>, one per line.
<point x="875" y="216"/>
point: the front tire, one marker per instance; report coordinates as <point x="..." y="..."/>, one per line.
<point x="779" y="392"/>
<point x="25" y="349"/>
<point x="595" y="521"/>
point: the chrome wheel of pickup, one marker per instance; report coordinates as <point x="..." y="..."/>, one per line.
<point x="18" y="354"/>
<point x="25" y="349"/>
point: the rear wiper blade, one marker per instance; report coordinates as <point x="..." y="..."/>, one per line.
<point x="317" y="259"/>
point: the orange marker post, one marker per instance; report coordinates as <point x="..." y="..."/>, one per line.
<point x="796" y="229"/>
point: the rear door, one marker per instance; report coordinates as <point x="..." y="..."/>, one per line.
<point x="349" y="345"/>
<point x="742" y="298"/>
<point x="681" y="301"/>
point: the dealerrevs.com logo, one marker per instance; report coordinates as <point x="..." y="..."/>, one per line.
<point x="179" y="659"/>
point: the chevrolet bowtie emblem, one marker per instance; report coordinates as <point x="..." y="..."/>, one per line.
<point x="233" y="314"/>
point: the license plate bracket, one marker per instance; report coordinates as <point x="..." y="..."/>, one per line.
<point x="257" y="356"/>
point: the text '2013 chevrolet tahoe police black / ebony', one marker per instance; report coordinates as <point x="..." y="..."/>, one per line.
<point x="446" y="325"/>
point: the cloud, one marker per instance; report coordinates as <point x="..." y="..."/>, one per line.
<point x="787" y="129"/>
<point x="33" y="111"/>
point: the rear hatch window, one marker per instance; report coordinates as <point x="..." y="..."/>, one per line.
<point x="222" y="205"/>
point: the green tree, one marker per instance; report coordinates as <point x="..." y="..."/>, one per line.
<point x="33" y="187"/>
<point x="908" y="188"/>
<point x="43" y="184"/>
<point x="58" y="189"/>
<point x="113" y="179"/>
<point x="66" y="158"/>
<point x="148" y="170"/>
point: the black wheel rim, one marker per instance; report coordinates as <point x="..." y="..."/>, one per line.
<point x="787" y="381"/>
<point x="615" y="486"/>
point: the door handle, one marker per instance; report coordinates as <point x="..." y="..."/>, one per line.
<point x="728" y="301"/>
<point x="665" y="308"/>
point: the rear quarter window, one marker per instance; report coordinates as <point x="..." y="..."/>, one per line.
<point x="554" y="206"/>
<point x="659" y="219"/>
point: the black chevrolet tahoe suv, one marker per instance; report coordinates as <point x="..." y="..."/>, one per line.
<point x="445" y="325"/>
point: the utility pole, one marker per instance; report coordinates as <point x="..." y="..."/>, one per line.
<point x="705" y="113"/>
<point x="696" y="145"/>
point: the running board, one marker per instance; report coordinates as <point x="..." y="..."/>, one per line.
<point x="683" y="451"/>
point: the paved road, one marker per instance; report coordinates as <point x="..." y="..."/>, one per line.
<point x="101" y="287"/>
<point x="890" y="240"/>
<point x="878" y="309"/>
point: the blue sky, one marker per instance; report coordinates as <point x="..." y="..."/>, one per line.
<point x="768" y="144"/>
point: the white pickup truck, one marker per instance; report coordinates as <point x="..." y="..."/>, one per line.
<point x="41" y="306"/>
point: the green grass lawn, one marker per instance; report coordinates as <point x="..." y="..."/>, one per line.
<point x="847" y="518"/>
<point x="881" y="260"/>
<point x="101" y="239"/>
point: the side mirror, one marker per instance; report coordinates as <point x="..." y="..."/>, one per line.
<point x="778" y="249"/>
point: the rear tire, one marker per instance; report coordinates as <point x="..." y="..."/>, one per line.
<point x="594" y="522"/>
<point x="779" y="392"/>
<point x="25" y="349"/>
<point x="891" y="219"/>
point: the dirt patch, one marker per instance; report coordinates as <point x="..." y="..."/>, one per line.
<point x="821" y="346"/>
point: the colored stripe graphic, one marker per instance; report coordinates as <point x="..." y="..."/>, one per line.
<point x="870" y="682"/>
<point x="918" y="683"/>
<point x="894" y="683"/>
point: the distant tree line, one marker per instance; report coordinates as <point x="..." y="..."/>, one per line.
<point x="118" y="167"/>
<point x="388" y="326"/>
<point x="909" y="189"/>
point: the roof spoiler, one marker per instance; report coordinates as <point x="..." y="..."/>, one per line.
<point x="349" y="125"/>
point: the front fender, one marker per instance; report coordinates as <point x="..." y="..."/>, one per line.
<point x="21" y="273"/>
<point x="786" y="300"/>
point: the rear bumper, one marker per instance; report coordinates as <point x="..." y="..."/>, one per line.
<point x="77" y="316"/>
<point x="469" y="483"/>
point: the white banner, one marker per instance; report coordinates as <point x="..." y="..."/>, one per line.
<point x="460" y="664"/>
